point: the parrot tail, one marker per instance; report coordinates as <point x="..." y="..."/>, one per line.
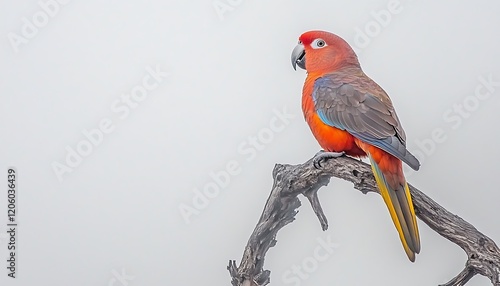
<point x="400" y="205"/>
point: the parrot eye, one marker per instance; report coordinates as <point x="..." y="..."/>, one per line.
<point x="318" y="44"/>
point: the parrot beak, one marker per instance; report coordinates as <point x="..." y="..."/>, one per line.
<point x="299" y="57"/>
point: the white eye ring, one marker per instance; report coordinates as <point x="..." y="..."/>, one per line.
<point x="318" y="44"/>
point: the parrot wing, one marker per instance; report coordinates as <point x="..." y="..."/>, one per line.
<point x="364" y="110"/>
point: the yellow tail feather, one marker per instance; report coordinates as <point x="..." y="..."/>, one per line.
<point x="401" y="210"/>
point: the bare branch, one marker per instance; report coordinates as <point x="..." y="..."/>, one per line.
<point x="281" y="207"/>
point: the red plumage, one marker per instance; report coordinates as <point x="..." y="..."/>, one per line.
<point x="348" y="112"/>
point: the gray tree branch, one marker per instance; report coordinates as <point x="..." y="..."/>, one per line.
<point x="281" y="207"/>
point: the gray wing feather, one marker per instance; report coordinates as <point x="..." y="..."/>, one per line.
<point x="364" y="115"/>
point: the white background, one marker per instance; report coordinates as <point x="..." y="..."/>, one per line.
<point x="228" y="71"/>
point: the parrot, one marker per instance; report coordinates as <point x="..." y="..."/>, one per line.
<point x="349" y="114"/>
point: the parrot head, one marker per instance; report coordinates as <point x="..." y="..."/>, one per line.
<point x="320" y="51"/>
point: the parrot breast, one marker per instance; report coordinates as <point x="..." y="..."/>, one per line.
<point x="329" y="138"/>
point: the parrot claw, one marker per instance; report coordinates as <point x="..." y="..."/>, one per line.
<point x="324" y="156"/>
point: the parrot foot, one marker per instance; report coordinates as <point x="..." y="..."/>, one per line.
<point x="324" y="156"/>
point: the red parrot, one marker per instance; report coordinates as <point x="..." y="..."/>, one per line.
<point x="349" y="113"/>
